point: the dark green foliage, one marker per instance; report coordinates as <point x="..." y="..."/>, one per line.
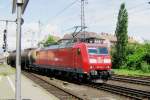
<point x="122" y="37"/>
<point x="147" y="56"/>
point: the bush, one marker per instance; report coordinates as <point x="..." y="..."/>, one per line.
<point x="137" y="58"/>
<point x="145" y="67"/>
<point x="134" y="60"/>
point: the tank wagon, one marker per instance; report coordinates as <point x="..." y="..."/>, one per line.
<point x="27" y="57"/>
<point x="87" y="61"/>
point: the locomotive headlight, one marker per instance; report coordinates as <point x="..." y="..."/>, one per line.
<point x="108" y="66"/>
<point x="93" y="60"/>
<point x="91" y="67"/>
<point x="107" y="61"/>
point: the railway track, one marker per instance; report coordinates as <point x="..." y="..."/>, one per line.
<point x="128" y="92"/>
<point x="69" y="95"/>
<point x="53" y="88"/>
<point x="129" y="79"/>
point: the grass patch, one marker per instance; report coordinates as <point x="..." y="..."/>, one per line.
<point x="128" y="72"/>
<point x="6" y="70"/>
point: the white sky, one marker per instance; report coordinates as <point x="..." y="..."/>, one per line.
<point x="101" y="16"/>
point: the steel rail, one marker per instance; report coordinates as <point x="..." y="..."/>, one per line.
<point x="133" y="77"/>
<point x="128" y="92"/>
<point x="135" y="80"/>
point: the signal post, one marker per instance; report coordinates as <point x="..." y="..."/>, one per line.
<point x="5" y="45"/>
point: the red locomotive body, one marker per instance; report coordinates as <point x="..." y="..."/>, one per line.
<point x="90" y="60"/>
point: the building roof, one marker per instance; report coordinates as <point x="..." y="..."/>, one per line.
<point x="81" y="35"/>
<point x="102" y="36"/>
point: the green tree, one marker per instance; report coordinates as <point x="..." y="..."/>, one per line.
<point x="138" y="57"/>
<point x="122" y="37"/>
<point x="50" y="40"/>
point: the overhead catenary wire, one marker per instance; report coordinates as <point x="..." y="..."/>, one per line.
<point x="64" y="9"/>
<point x="131" y="10"/>
<point x="82" y="8"/>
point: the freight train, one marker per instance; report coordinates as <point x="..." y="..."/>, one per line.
<point x="86" y="61"/>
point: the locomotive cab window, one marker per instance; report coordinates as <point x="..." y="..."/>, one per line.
<point x="92" y="50"/>
<point x="103" y="50"/>
<point x="98" y="51"/>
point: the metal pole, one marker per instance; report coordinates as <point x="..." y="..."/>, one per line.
<point x="18" y="51"/>
<point x="83" y="17"/>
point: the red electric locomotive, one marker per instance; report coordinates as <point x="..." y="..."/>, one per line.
<point x="90" y="61"/>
